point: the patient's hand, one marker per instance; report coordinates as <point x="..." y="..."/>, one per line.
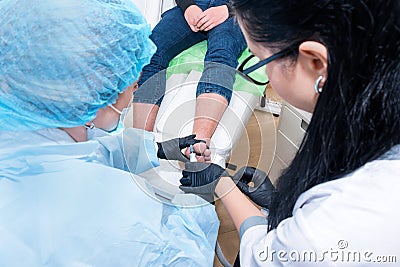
<point x="212" y="17"/>
<point x="203" y="153"/>
<point x="192" y="14"/>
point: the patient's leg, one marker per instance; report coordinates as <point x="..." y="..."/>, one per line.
<point x="209" y="109"/>
<point x="144" y="115"/>
<point x="214" y="91"/>
<point x="171" y="35"/>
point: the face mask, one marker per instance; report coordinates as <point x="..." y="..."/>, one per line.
<point x="93" y="132"/>
<point x="123" y="114"/>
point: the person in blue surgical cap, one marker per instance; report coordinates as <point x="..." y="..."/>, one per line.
<point x="67" y="198"/>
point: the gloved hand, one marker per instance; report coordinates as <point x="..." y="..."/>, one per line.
<point x="262" y="191"/>
<point x="201" y="178"/>
<point x="171" y="149"/>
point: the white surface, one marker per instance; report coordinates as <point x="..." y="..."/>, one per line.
<point x="152" y="9"/>
<point x="165" y="179"/>
<point x="167" y="4"/>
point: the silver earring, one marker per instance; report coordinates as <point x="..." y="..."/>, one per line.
<point x="317" y="89"/>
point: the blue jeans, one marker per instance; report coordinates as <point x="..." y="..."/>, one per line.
<point x="172" y="35"/>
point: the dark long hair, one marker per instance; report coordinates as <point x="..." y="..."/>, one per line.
<point x="357" y="116"/>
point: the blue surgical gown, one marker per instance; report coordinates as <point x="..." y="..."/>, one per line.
<point x="64" y="204"/>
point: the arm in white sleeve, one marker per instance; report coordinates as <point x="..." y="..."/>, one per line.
<point x="258" y="247"/>
<point x="305" y="233"/>
<point x="348" y="221"/>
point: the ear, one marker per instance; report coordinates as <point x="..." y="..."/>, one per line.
<point x="314" y="57"/>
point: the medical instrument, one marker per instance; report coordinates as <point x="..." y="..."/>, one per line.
<point x="192" y="156"/>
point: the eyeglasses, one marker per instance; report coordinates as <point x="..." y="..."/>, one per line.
<point x="245" y="72"/>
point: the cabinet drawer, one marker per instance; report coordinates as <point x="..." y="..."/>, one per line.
<point x="292" y="126"/>
<point x="285" y="149"/>
<point x="276" y="168"/>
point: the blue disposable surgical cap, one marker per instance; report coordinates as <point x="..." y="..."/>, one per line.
<point x="62" y="60"/>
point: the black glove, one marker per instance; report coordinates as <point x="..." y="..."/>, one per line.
<point x="171" y="149"/>
<point x="262" y="191"/>
<point x="201" y="178"/>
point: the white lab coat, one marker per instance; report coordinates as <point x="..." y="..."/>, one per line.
<point x="353" y="221"/>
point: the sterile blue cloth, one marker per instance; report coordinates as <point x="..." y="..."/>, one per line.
<point x="75" y="204"/>
<point x="62" y="60"/>
<point x="129" y="149"/>
<point x="61" y="206"/>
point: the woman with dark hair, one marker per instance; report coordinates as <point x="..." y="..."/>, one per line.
<point x="336" y="202"/>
